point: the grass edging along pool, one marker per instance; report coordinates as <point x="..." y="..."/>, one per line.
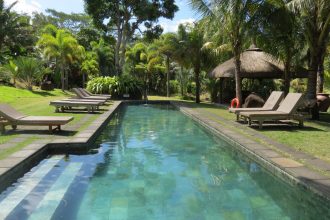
<point x="283" y="168"/>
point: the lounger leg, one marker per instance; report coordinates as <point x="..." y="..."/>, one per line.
<point x="14" y="127"/>
<point x="301" y="123"/>
<point x="250" y="122"/>
<point x="59" y="127"/>
<point x="57" y="109"/>
<point x="50" y="128"/>
<point x="237" y="117"/>
<point x="260" y="124"/>
<point x="62" y="108"/>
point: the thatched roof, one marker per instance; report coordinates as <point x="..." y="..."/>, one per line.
<point x="254" y="64"/>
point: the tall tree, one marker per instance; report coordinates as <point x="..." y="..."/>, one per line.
<point x="279" y="33"/>
<point x="167" y="46"/>
<point x="234" y="17"/>
<point x="59" y="45"/>
<point x="124" y="17"/>
<point x="16" y="33"/>
<point x="315" y="16"/>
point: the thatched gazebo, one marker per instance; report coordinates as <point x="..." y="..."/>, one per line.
<point x="255" y="64"/>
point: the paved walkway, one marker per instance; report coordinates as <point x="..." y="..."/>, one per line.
<point x="270" y="153"/>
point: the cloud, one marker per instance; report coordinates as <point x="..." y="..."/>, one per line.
<point x="172" y="26"/>
<point x="25" y="6"/>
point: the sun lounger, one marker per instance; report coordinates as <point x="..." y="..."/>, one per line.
<point x="9" y="116"/>
<point x="80" y="95"/>
<point x="87" y="93"/>
<point x="62" y="105"/>
<point x="101" y="102"/>
<point x="286" y="111"/>
<point x="271" y="104"/>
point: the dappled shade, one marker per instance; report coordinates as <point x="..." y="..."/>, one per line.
<point x="255" y="64"/>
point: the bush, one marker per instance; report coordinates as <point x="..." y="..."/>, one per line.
<point x="191" y="88"/>
<point x="174" y="87"/>
<point x="4" y="78"/>
<point x="116" y="86"/>
<point x="299" y="85"/>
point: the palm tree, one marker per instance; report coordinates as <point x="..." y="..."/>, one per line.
<point x="11" y="70"/>
<point x="105" y="57"/>
<point x="60" y="45"/>
<point x="279" y="34"/>
<point x="29" y="70"/>
<point x="167" y="45"/>
<point x="315" y="17"/>
<point x="234" y="17"/>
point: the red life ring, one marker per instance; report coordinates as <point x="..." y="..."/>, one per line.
<point x="234" y="102"/>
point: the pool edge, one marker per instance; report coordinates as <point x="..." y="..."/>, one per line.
<point x="287" y="174"/>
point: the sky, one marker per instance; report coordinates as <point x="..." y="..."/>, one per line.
<point x="185" y="13"/>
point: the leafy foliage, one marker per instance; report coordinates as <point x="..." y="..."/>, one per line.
<point x="116" y="86"/>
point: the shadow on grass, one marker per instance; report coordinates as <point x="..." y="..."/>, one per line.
<point x="83" y="111"/>
<point x="63" y="133"/>
<point x="289" y="127"/>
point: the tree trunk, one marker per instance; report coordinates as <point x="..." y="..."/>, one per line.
<point x="117" y="51"/>
<point x="66" y="80"/>
<point x="287" y="77"/>
<point x="83" y="80"/>
<point x="181" y="82"/>
<point x="197" y="81"/>
<point x="168" y="76"/>
<point x="320" y="76"/>
<point x="62" y="78"/>
<point x="312" y="84"/>
<point x="238" y="81"/>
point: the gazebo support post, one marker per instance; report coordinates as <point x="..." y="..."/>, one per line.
<point x="221" y="90"/>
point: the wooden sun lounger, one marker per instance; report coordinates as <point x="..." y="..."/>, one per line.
<point x="286" y="111"/>
<point x="9" y="116"/>
<point x="80" y="95"/>
<point x="271" y="104"/>
<point x="87" y="93"/>
<point x="62" y="105"/>
<point x="101" y="102"/>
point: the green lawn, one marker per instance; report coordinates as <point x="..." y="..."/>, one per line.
<point x="313" y="138"/>
<point x="34" y="103"/>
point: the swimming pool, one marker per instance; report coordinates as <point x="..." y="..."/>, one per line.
<point x="153" y="162"/>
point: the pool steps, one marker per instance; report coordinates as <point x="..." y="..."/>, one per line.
<point x="24" y="188"/>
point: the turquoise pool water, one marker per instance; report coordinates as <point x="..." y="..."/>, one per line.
<point x="155" y="163"/>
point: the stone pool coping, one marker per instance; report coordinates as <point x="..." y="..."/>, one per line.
<point x="17" y="164"/>
<point x="285" y="168"/>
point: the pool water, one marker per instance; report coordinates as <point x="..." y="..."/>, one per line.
<point x="152" y="162"/>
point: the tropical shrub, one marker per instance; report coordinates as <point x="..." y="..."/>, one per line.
<point x="116" y="86"/>
<point x="191" y="88"/>
<point x="30" y="70"/>
<point x="299" y="85"/>
<point x="174" y="87"/>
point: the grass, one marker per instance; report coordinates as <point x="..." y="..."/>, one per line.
<point x="313" y="138"/>
<point x="36" y="103"/>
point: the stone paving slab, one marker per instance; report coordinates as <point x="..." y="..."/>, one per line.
<point x="6" y="146"/>
<point x="286" y="162"/>
<point x="23" y="153"/>
<point x="305" y="173"/>
<point x="10" y="162"/>
<point x="18" y="140"/>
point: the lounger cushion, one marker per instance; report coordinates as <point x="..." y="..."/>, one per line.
<point x="45" y="120"/>
<point x="268" y="114"/>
